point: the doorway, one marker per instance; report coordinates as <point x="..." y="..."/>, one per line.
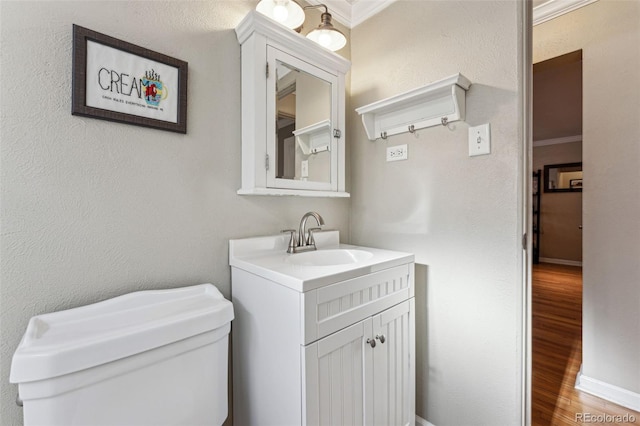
<point x="608" y="34"/>
<point x="557" y="159"/>
<point x="556" y="284"/>
<point x="557" y="240"/>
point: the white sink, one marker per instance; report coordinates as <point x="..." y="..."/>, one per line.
<point x="329" y="257"/>
<point x="332" y="262"/>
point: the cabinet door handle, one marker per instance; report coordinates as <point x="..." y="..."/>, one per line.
<point x="381" y="338"/>
<point x="371" y="342"/>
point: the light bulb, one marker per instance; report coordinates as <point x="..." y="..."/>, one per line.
<point x="280" y="12"/>
<point x="286" y="12"/>
<point x="324" y="39"/>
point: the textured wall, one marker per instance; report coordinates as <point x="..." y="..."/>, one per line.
<point x="459" y="215"/>
<point x="608" y="32"/>
<point x="93" y="209"/>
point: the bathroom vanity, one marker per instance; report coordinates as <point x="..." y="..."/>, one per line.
<point x="322" y="337"/>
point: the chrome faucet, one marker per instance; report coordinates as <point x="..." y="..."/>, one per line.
<point x="305" y="240"/>
<point x="308" y="240"/>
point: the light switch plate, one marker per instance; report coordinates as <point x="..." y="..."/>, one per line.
<point x="304" y="168"/>
<point x="480" y="140"/>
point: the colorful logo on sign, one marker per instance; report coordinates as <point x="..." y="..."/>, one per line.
<point x="154" y="90"/>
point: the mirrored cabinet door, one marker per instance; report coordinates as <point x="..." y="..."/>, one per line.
<point x="302" y="113"/>
<point x="293" y="112"/>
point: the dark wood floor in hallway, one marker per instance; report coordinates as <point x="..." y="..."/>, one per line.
<point x="557" y="351"/>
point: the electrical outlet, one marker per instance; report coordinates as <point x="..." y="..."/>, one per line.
<point x="479" y="140"/>
<point x="397" y="153"/>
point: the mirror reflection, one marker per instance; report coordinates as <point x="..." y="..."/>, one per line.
<point x="563" y="177"/>
<point x="303" y="125"/>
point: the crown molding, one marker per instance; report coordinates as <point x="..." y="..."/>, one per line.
<point x="362" y="10"/>
<point x="340" y="10"/>
<point x="554" y="8"/>
<point x="354" y="12"/>
<point x="557" y="141"/>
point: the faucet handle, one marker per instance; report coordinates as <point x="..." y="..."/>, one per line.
<point x="310" y="240"/>
<point x="293" y="242"/>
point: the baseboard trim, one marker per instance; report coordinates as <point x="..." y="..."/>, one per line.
<point x="422" y="422"/>
<point x="560" y="261"/>
<point x="615" y="394"/>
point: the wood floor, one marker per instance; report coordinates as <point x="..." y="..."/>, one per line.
<point x="557" y="352"/>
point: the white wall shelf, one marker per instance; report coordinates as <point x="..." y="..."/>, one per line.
<point x="314" y="138"/>
<point x="436" y="103"/>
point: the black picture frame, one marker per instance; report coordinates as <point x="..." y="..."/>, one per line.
<point x="116" y="105"/>
<point x="566" y="167"/>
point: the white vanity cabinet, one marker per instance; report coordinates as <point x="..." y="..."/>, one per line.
<point x="302" y="345"/>
<point x="349" y="382"/>
<point x="293" y="112"/>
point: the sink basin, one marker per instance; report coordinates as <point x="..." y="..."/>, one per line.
<point x="329" y="257"/>
<point x="332" y="262"/>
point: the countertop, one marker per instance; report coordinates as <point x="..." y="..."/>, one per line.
<point x="267" y="257"/>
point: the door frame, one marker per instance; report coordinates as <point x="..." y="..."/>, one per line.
<point x="525" y="165"/>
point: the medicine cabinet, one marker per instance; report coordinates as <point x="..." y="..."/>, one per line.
<point x="293" y="112"/>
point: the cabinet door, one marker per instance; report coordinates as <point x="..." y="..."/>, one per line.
<point x="302" y="102"/>
<point x="334" y="377"/>
<point x="394" y="366"/>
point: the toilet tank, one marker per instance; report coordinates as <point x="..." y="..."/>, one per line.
<point x="145" y="358"/>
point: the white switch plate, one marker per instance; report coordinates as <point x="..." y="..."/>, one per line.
<point x="397" y="153"/>
<point x="304" y="168"/>
<point x="480" y="140"/>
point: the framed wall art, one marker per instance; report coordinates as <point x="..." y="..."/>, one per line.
<point x="119" y="81"/>
<point x="563" y="177"/>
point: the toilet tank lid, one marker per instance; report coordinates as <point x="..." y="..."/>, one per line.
<point x="68" y="341"/>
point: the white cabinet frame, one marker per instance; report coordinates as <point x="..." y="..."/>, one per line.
<point x="257" y="36"/>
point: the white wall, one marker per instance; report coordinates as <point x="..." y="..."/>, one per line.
<point x="608" y="32"/>
<point x="92" y="209"/>
<point x="459" y="215"/>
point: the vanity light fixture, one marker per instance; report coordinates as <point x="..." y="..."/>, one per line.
<point x="326" y="35"/>
<point x="286" y="12"/>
